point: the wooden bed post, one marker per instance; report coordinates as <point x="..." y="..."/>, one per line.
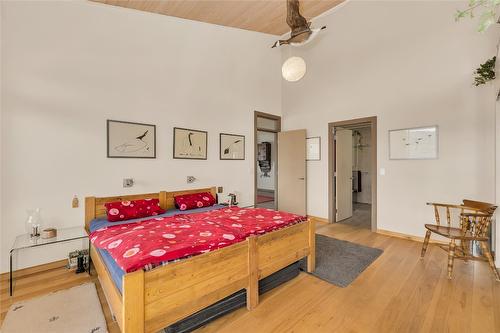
<point x="311" y="258"/>
<point x="133" y="302"/>
<point x="89" y="211"/>
<point x="163" y="199"/>
<point x="253" y="274"/>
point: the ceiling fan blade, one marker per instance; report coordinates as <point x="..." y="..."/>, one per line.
<point x="293" y="18"/>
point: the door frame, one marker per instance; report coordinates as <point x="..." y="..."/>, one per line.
<point x="258" y="114"/>
<point x="332" y="202"/>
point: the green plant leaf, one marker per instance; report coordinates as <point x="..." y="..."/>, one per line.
<point x="486" y="19"/>
<point x="485" y="72"/>
<point x="487" y="9"/>
<point x="460" y="14"/>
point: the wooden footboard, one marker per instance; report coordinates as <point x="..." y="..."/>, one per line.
<point x="178" y="290"/>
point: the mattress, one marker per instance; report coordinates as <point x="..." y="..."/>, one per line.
<point x="115" y="271"/>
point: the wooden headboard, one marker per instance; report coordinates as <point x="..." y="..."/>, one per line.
<point x="94" y="206"/>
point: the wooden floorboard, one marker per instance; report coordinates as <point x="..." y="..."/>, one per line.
<point x="397" y="293"/>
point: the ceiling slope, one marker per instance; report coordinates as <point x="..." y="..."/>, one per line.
<point x="256" y="15"/>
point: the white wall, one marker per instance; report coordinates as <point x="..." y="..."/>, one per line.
<point x="267" y="183"/>
<point x="410" y="64"/>
<point x="69" y="66"/>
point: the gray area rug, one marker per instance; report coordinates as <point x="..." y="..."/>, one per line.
<point x="340" y="262"/>
<point x="75" y="310"/>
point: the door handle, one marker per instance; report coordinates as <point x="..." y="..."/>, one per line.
<point x="302" y="178"/>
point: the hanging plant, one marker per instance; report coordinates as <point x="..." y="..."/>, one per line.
<point x="487" y="9"/>
<point x="485" y="72"/>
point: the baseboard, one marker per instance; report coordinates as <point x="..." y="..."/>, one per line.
<point x="320" y="220"/>
<point x="35" y="269"/>
<point x="408" y="237"/>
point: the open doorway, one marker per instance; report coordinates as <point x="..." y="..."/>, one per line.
<point x="352" y="170"/>
<point x="267" y="127"/>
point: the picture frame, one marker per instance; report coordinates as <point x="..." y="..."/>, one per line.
<point x="313" y="148"/>
<point x="231" y="147"/>
<point x="416" y="143"/>
<point x="126" y="139"/>
<point x="190" y="144"/>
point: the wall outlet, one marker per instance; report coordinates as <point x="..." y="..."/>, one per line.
<point x="128" y="182"/>
<point x="220" y="189"/>
<point x="190" y="179"/>
<point x="74" y="202"/>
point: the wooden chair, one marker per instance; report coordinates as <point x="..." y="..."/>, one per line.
<point x="475" y="218"/>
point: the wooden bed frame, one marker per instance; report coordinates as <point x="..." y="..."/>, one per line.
<point x="155" y="299"/>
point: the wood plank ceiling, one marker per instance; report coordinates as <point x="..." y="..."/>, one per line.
<point x="256" y="15"/>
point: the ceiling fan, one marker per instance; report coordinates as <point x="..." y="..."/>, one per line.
<point x="301" y="32"/>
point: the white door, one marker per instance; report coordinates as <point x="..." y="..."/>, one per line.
<point x="292" y="171"/>
<point x="343" y="179"/>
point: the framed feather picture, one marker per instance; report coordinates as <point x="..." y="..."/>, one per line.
<point x="232" y="147"/>
<point x="190" y="144"/>
<point x="419" y="143"/>
<point x="130" y="140"/>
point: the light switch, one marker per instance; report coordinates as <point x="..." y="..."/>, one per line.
<point x="382" y="171"/>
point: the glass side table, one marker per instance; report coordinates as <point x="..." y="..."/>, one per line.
<point x="63" y="235"/>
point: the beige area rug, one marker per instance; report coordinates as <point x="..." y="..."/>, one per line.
<point x="75" y="310"/>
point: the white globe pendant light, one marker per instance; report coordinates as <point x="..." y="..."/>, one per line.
<point x="293" y="69"/>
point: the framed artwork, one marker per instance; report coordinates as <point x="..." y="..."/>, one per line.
<point x="313" y="149"/>
<point x="190" y="144"/>
<point x="130" y="140"/>
<point x="420" y="143"/>
<point x="232" y="147"/>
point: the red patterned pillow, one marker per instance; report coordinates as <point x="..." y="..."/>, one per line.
<point x="196" y="200"/>
<point x="127" y="210"/>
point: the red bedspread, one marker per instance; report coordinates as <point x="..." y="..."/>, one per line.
<point x="249" y="221"/>
<point x="151" y="242"/>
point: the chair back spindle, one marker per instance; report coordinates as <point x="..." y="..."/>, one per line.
<point x="448" y="218"/>
<point x="436" y="215"/>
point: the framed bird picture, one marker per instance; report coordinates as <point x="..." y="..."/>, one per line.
<point x="232" y="147"/>
<point x="190" y="144"/>
<point x="130" y="140"/>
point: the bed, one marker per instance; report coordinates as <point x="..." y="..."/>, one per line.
<point x="148" y="301"/>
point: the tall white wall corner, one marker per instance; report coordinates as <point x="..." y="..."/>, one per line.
<point x="496" y="229"/>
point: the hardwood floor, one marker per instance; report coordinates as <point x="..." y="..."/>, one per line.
<point x="397" y="293"/>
